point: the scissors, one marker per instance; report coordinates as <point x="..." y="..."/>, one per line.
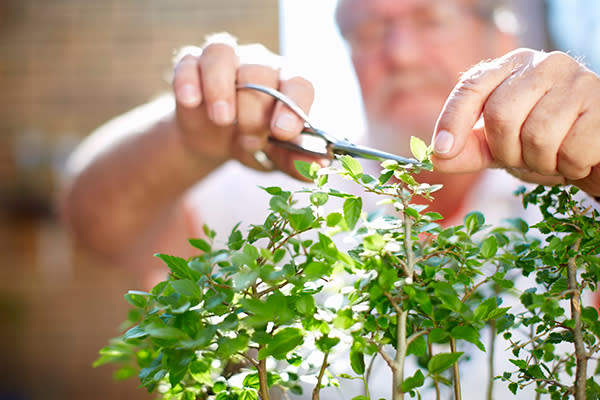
<point x="333" y="146"/>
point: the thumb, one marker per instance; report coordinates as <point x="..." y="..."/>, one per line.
<point x="460" y="146"/>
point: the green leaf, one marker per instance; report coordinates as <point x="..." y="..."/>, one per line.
<point x="178" y="266"/>
<point x="474" y="222"/>
<point x="357" y="361"/>
<point x="522" y="364"/>
<point x="352" y="210"/>
<point x="136" y="332"/>
<point x="187" y="288"/>
<point x="438" y="335"/>
<point x="165" y="332"/>
<point x="319" y="198"/>
<point x="441" y="362"/>
<point x="418" y="148"/>
<point x="236" y="240"/>
<point x="136" y="299"/>
<point x="489" y="247"/>
<point x="304" y="169"/>
<point x="200" y="244"/>
<point x="326" y="343"/>
<point x="333" y="219"/>
<point x="305" y="304"/>
<point x="374" y="242"/>
<point x="219" y="386"/>
<point x="352" y="166"/>
<point x="468" y="333"/>
<point x="415" y="381"/>
<point x="301" y="219"/>
<point x="282" y="343"/>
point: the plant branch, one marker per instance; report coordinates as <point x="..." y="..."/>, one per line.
<point x="455" y="372"/>
<point x="415" y="336"/>
<point x="263" y="380"/>
<point x="580" y="353"/>
<point x="492" y="351"/>
<point x="388" y="360"/>
<point x="250" y="359"/>
<point x="317" y="388"/>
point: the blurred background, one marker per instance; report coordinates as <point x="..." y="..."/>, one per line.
<point x="67" y="66"/>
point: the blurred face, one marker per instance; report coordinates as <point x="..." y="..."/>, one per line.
<point x="408" y="55"/>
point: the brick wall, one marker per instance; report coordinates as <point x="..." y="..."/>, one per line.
<point x="66" y="66"/>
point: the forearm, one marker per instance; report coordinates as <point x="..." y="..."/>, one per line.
<point x="126" y="175"/>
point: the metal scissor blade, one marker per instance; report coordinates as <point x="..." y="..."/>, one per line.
<point x="344" y="147"/>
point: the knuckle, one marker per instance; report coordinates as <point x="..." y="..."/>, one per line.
<point x="256" y="73"/>
<point x="555" y="62"/>
<point x="184" y="66"/>
<point x="302" y="84"/>
<point x="218" y="51"/>
<point x="533" y="134"/>
<point x="496" y="119"/>
<point x="571" y="166"/>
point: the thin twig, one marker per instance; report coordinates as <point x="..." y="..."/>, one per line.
<point x="580" y="353"/>
<point x="455" y="372"/>
<point x="317" y="388"/>
<point x="492" y="351"/>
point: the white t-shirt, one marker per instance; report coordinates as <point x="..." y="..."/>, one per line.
<point x="231" y="195"/>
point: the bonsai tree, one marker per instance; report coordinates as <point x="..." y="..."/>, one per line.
<point x="250" y="316"/>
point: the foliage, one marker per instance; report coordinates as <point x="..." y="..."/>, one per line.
<point x="238" y="320"/>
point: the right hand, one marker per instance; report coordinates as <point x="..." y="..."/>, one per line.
<point x="218" y="122"/>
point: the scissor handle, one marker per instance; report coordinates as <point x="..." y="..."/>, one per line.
<point x="281" y="97"/>
<point x="333" y="145"/>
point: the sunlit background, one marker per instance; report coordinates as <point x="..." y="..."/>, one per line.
<point x="66" y="66"/>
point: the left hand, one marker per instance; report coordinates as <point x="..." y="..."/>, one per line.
<point x="541" y="120"/>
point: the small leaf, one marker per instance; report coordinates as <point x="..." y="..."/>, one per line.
<point x="418" y="148"/>
<point x="304" y="169"/>
<point x="357" y="361"/>
<point x="489" y="247"/>
<point x="282" y="343"/>
<point x="333" y="219"/>
<point x="200" y="244"/>
<point x="187" y="288"/>
<point x="441" y="362"/>
<point x="352" y="210"/>
<point x="135" y="299"/>
<point x="352" y="166"/>
<point x="415" y="381"/>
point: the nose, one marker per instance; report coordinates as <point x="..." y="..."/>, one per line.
<point x="403" y="46"/>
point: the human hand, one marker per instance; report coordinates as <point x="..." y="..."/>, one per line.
<point x="218" y="122"/>
<point x="540" y="114"/>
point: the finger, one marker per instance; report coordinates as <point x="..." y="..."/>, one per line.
<point x="255" y="108"/>
<point x="186" y="82"/>
<point x="580" y="150"/>
<point x="533" y="177"/>
<point x="464" y="106"/>
<point x="591" y="183"/>
<point x="474" y="157"/>
<point x="545" y="129"/>
<point x="509" y="107"/>
<point x="218" y="71"/>
<point x="285" y="124"/>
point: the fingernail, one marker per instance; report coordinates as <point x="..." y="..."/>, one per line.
<point x="251" y="143"/>
<point x="188" y="95"/>
<point x="221" y="112"/>
<point x="286" y="122"/>
<point x="443" y="142"/>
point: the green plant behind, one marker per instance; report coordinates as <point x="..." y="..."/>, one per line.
<point x="241" y="319"/>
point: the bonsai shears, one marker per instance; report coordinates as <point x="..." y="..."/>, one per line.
<point x="333" y="145"/>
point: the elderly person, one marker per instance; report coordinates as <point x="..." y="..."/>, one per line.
<point x="533" y="114"/>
